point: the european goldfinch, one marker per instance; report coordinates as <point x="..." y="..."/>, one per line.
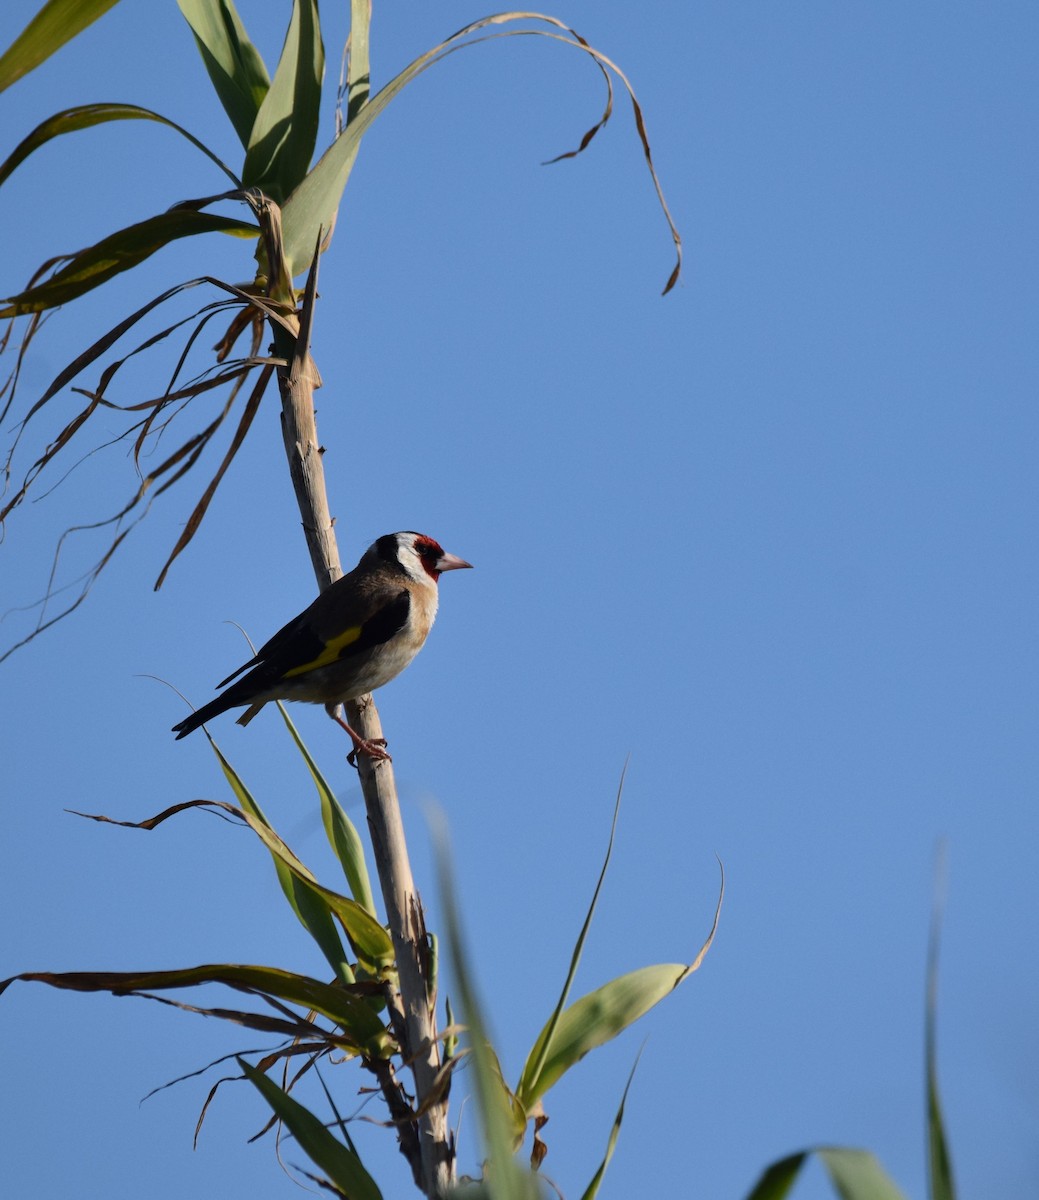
<point x="360" y="633"/>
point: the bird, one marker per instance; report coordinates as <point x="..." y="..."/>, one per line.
<point x="360" y="633"/>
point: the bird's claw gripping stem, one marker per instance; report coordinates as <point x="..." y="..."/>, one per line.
<point x="371" y="748"/>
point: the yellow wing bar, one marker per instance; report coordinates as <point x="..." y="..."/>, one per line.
<point x="332" y="649"/>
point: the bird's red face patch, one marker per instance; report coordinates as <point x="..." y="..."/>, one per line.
<point x="429" y="553"/>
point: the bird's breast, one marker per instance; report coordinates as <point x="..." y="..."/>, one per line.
<point x="369" y="671"/>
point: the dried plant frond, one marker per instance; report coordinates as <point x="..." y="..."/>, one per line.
<point x="151" y="417"/>
<point x="199" y="511"/>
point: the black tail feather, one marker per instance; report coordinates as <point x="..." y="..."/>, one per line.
<point x="206" y="713"/>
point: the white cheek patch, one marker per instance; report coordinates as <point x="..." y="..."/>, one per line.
<point x="412" y="563"/>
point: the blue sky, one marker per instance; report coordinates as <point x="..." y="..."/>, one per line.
<point x="773" y="535"/>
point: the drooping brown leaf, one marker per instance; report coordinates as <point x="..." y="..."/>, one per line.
<point x="539" y="1148"/>
<point x="199" y="511"/>
<point x="174" y="467"/>
<point x="368" y="938"/>
<point x="288" y="1047"/>
<point x="315" y="202"/>
<point x="158" y="412"/>
<point x="357" y="1029"/>
<point x="313" y="1050"/>
<point x="87" y="581"/>
<point x="218" y="808"/>
<point x="341" y="1165"/>
<point x="108" y="340"/>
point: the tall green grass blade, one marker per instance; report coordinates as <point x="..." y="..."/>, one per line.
<point x="595" y="1019"/>
<point x="856" y="1174"/>
<point x="341" y="832"/>
<point x="342" y="1166"/>
<point x="778" y="1178"/>
<point x="505" y="1179"/>
<point x="311" y="910"/>
<point x="57" y="22"/>
<point x="592" y="1190"/>
<point x="939" y="1161"/>
<point x="600" y="1016"/>
<point x="234" y="64"/>
<point x="86" y="116"/>
<point x="359" y="70"/>
<point x="119" y="252"/>
<point x="546" y="1040"/>
<point x="313" y="205"/>
<point x="370" y="940"/>
<point x="284" y="133"/>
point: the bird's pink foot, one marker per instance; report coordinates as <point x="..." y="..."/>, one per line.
<point x="370" y="748"/>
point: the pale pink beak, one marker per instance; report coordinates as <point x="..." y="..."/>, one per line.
<point x="450" y="562"/>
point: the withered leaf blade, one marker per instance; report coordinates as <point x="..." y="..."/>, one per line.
<point x="313" y="1050"/>
<point x="200" y="509"/>
<point x="342" y="1166"/>
<point x="357" y="1028"/>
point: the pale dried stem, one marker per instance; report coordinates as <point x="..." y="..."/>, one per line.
<point x="403" y="906"/>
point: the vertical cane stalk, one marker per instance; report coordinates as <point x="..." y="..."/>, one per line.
<point x="416" y="1015"/>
